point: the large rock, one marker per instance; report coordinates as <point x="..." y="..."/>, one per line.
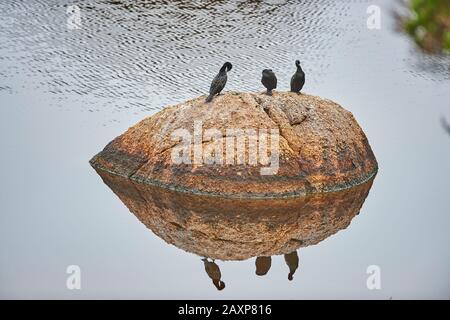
<point x="238" y="229"/>
<point x="321" y="147"/>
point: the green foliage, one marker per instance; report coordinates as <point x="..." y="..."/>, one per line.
<point x="429" y="24"/>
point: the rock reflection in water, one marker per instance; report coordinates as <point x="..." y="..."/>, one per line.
<point x="229" y="229"/>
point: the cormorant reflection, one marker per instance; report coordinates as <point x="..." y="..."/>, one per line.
<point x="292" y="262"/>
<point x="263" y="265"/>
<point x="213" y="271"/>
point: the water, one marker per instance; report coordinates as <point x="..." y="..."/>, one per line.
<point x="66" y="93"/>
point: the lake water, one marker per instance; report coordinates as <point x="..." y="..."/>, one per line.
<point x="65" y="93"/>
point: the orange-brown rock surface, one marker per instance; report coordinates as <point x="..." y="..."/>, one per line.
<point x="321" y="147"/>
<point x="238" y="229"/>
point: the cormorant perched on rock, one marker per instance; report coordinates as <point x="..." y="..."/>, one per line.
<point x="263" y="265"/>
<point x="292" y="262"/>
<point x="269" y="80"/>
<point x="213" y="271"/>
<point x="219" y="81"/>
<point x="298" y="79"/>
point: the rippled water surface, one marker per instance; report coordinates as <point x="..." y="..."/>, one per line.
<point x="65" y="93"/>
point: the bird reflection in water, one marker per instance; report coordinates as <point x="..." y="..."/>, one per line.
<point x="292" y="262"/>
<point x="239" y="229"/>
<point x="263" y="265"/>
<point x="213" y="271"/>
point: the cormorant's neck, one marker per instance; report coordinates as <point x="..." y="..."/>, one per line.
<point x="223" y="69"/>
<point x="299" y="68"/>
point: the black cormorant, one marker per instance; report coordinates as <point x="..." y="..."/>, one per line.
<point x="219" y="81"/>
<point x="298" y="79"/>
<point x="269" y="80"/>
<point x="292" y="262"/>
<point x="263" y="265"/>
<point x="213" y="271"/>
